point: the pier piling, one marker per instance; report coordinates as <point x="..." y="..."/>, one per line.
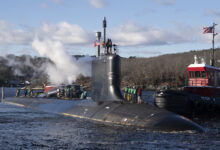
<point x="3" y="94"/>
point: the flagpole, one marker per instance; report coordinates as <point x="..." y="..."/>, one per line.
<point x="213" y="44"/>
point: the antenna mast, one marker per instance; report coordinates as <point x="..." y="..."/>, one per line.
<point x="104" y="29"/>
<point x="104" y="35"/>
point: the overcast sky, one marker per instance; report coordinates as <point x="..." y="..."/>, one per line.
<point x="142" y="28"/>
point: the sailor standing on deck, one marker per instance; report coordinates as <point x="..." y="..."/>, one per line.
<point x="104" y="45"/>
<point x="129" y="94"/>
<point x="125" y="93"/>
<point x="31" y="92"/>
<point x="109" y="46"/>
<point x="25" y="91"/>
<point x="134" y="95"/>
<point x="67" y="91"/>
<point x="139" y="95"/>
<point x="17" y="92"/>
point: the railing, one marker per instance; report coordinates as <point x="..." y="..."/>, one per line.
<point x="196" y="82"/>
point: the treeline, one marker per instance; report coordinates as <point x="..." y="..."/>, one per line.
<point x="169" y="69"/>
<point x="18" y="69"/>
<point x="154" y="72"/>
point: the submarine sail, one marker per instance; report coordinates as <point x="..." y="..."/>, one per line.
<point x="106" y="79"/>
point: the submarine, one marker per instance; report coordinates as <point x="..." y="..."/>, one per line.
<point x="107" y="104"/>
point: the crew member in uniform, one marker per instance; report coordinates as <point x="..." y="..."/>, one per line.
<point x="126" y="93"/>
<point x="139" y="95"/>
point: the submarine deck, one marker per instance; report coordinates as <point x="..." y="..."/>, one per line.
<point x="143" y="115"/>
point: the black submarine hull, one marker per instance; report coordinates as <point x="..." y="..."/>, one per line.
<point x="144" y="115"/>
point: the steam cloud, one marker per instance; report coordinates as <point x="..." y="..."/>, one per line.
<point x="18" y="65"/>
<point x="66" y="68"/>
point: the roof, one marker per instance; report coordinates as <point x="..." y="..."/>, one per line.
<point x="202" y="65"/>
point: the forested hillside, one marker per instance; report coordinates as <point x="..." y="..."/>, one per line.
<point x="167" y="69"/>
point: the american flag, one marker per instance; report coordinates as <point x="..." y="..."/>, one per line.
<point x="96" y="44"/>
<point x="208" y="30"/>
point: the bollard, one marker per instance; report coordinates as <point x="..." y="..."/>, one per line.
<point x="3" y="94"/>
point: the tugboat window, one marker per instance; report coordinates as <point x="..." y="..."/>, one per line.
<point x="197" y="74"/>
<point x="203" y="74"/>
<point x="191" y="74"/>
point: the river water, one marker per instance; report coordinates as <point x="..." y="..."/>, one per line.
<point x="22" y="128"/>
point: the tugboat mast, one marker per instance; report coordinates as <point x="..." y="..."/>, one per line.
<point x="213" y="44"/>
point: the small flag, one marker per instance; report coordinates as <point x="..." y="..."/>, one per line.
<point x="208" y="30"/>
<point x="96" y="44"/>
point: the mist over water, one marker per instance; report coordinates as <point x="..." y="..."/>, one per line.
<point x="65" y="68"/>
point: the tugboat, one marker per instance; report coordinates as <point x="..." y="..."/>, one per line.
<point x="200" y="95"/>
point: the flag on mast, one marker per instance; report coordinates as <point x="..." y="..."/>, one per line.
<point x="96" y="44"/>
<point x="208" y="30"/>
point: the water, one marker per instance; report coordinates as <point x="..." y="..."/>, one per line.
<point x="9" y="92"/>
<point x="22" y="128"/>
